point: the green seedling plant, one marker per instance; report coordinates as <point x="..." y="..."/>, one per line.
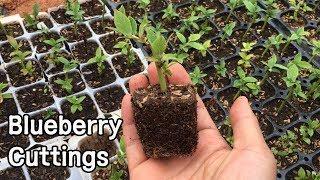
<point x="297" y="36"/>
<point x="314" y="89"/>
<point x="253" y="11"/>
<point x="32" y="19"/>
<point x="49" y="114"/>
<point x="68" y="64"/>
<point x="287" y="143"/>
<point x="306" y="175"/>
<point x="17" y="55"/>
<point x="273" y="41"/>
<point x="293" y="84"/>
<point x="196" y="76"/>
<point x="296" y="6"/>
<point x="307" y="130"/>
<point x="103" y="14"/>
<point x="190" y="22"/>
<point x="76" y="103"/>
<point x="75" y="12"/>
<point x="143" y="4"/>
<point x="65" y="84"/>
<point x="227" y="32"/>
<point x="272" y="66"/>
<point x="100" y="59"/>
<point x="270" y="13"/>
<point x="56" y="46"/>
<point x="221" y="68"/>
<point x="193" y="42"/>
<point x="245" y="83"/>
<point x="4" y="96"/>
<point x="204" y="13"/>
<point x="232" y="5"/>
<point x="229" y="136"/>
<point x="125" y="47"/>
<point x="315" y="49"/>
<point x="169" y="13"/>
<point x="245" y="55"/>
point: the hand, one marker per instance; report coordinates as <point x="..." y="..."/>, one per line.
<point x="250" y="158"/>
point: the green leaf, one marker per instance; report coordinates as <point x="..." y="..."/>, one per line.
<point x="74" y="109"/>
<point x="181" y="37"/>
<point x="134" y="25"/>
<point x="122" y="23"/>
<point x="293" y="72"/>
<point x="196" y="45"/>
<point x="159" y="45"/>
<point x="194" y="37"/>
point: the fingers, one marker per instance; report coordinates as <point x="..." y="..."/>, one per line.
<point x="179" y="74"/>
<point x="138" y="81"/>
<point x="246" y="130"/>
<point x="134" y="149"/>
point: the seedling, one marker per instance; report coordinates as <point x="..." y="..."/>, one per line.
<point x="307" y="131"/>
<point x="76" y="103"/>
<point x="272" y="66"/>
<point x="4" y="95"/>
<point x="205" y="13"/>
<point x="221" y="68"/>
<point x="227" y="32"/>
<point x="143" y="4"/>
<point x="232" y="5"/>
<point x="297" y="36"/>
<point x="197" y="75"/>
<point x="68" y="65"/>
<point x="245" y="83"/>
<point x="56" y="46"/>
<point x="193" y="42"/>
<point x="121" y="155"/>
<point x="32" y="19"/>
<point x="270" y="13"/>
<point x="314" y="89"/>
<point x="103" y="14"/>
<point x="287" y="144"/>
<point x="190" y="22"/>
<point x="315" y="49"/>
<point x="292" y="82"/>
<point x="253" y="11"/>
<point x="17" y="55"/>
<point x="100" y="60"/>
<point x="245" y="56"/>
<point x="49" y="113"/>
<point x="126" y="50"/>
<point x="169" y="13"/>
<point x="273" y="41"/>
<point x="66" y="84"/>
<point x="297" y="6"/>
<point x="306" y="175"/>
<point x="76" y="13"/>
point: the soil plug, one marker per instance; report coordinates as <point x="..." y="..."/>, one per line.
<point x="76" y="13"/>
<point x="165" y="115"/>
<point x="270" y="13"/>
<point x="271" y="66"/>
<point x="32" y="20"/>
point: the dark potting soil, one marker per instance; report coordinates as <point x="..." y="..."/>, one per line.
<point x="215" y="81"/>
<point x="12" y="174"/>
<point x="50" y="67"/>
<point x="212" y="4"/>
<point x="6" y="49"/>
<point x="109" y="41"/>
<point x="38" y="41"/>
<point x="166" y="123"/>
<point x="52" y="172"/>
<point x="302" y="105"/>
<point x="82" y="33"/>
<point x="110" y="99"/>
<point x="95" y="79"/>
<point x="98" y="143"/>
<point x="276" y="79"/>
<point x="266" y="33"/>
<point x="120" y="63"/>
<point x="257" y="58"/>
<point x="89" y="110"/>
<point x="293" y="173"/>
<point x="35" y="97"/>
<point x="13" y="29"/>
<point x="100" y="26"/>
<point x="232" y="64"/>
<point x="316" y="161"/>
<point x="45" y="115"/>
<point x="292" y="23"/>
<point x="85" y="51"/>
<point x="178" y="1"/>
<point x="227" y="49"/>
<point x="195" y="58"/>
<point x="303" y="146"/>
<point x="92" y="8"/>
<point x="267" y="91"/>
<point x="221" y="20"/>
<point x="312" y="33"/>
<point x="172" y="23"/>
<point x="156" y="5"/>
<point x="226" y="97"/>
<point x="264" y="123"/>
<point x="77" y="84"/>
<point x="290" y="51"/>
<point x="60" y="16"/>
<point x="17" y="79"/>
<point x="214" y="32"/>
<point x="282" y="5"/>
<point x="215" y="111"/>
<point x="238" y="37"/>
<point x="8" y="107"/>
<point x="3" y="79"/>
<point x="282" y="161"/>
<point x="184" y="11"/>
<point x="8" y="141"/>
<point x="133" y="10"/>
<point x="105" y="173"/>
<point x="284" y="117"/>
<point x="241" y="13"/>
<point x="32" y="29"/>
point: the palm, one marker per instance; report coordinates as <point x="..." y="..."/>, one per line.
<point x="213" y="159"/>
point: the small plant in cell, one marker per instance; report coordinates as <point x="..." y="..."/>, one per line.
<point x="100" y="59"/>
<point x="227" y="32"/>
<point x="253" y="10"/>
<point x="270" y="13"/>
<point x="307" y="175"/>
<point x="193" y="42"/>
<point x="221" y="68"/>
<point x="56" y="45"/>
<point x="245" y="83"/>
<point x="245" y="55"/>
<point x="169" y="13"/>
<point x="3" y="95"/>
<point x="297" y="36"/>
<point x="74" y="10"/>
<point x="32" y="20"/>
<point x="196" y="76"/>
<point x="298" y="6"/>
<point x="76" y="103"/>
<point x="314" y="88"/>
<point x="272" y="66"/>
<point x="232" y="4"/>
<point x="288" y="143"/>
<point x="273" y="42"/>
<point x="308" y="130"/>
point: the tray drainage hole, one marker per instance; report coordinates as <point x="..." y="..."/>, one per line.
<point x="312" y="23"/>
<point x="306" y="158"/>
<point x="281" y="93"/>
<point x="260" y="71"/>
<point x="280" y="130"/>
<point x="257" y="105"/>
<point x="305" y="81"/>
<point x="279" y="175"/>
<point x="211" y="93"/>
<point x="283" y="61"/>
<point x="305" y="117"/>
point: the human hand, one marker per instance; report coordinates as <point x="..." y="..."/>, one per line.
<point x="250" y="158"/>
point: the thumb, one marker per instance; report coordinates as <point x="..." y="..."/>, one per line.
<point x="246" y="130"/>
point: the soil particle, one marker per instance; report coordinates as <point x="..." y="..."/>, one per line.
<point x="120" y="63"/>
<point x="6" y="49"/>
<point x="12" y="174"/>
<point x="109" y="99"/>
<point x="166" y="123"/>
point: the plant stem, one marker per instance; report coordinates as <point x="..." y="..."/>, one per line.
<point x="288" y="97"/>
<point x="75" y="28"/>
<point x="229" y="16"/>
<point x="162" y="78"/>
<point x="248" y="29"/>
<point x="285" y="47"/>
<point x="102" y="23"/>
<point x="264" y="23"/>
<point x="265" y="51"/>
<point x="313" y="89"/>
<point x="237" y="95"/>
<point x="265" y="78"/>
